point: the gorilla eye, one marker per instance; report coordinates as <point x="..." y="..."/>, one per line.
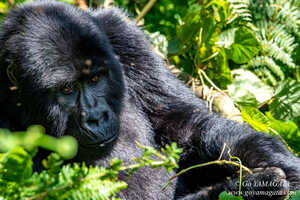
<point x="95" y="79"/>
<point x="67" y="90"/>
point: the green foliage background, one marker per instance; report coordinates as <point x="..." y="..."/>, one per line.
<point x="248" y="48"/>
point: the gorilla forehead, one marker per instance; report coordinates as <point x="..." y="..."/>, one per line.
<point x="55" y="42"/>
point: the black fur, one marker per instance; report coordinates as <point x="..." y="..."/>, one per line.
<point x="44" y="43"/>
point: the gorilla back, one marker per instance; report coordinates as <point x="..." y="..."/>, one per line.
<point x="93" y="75"/>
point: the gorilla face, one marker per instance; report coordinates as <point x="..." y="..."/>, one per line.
<point x="92" y="110"/>
<point x="69" y="79"/>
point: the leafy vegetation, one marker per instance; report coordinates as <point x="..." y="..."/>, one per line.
<point x="278" y="24"/>
<point x="250" y="49"/>
<point x="71" y="181"/>
<point x="246" y="50"/>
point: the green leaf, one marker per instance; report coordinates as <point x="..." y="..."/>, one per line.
<point x="219" y="71"/>
<point x="288" y="130"/>
<point x="3" y="7"/>
<point x="295" y="196"/>
<point x="187" y="31"/>
<point x="243" y="97"/>
<point x="67" y="1"/>
<point x="256" y="119"/>
<point x="226" y="38"/>
<point x="244" y="47"/>
<point x="226" y="196"/>
<point x="174" y="46"/>
<point x="16" y="165"/>
<point x="247" y="89"/>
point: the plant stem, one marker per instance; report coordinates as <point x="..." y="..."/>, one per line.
<point x="210" y="81"/>
<point x="216" y="162"/>
<point x="11" y="3"/>
<point x="146" y="9"/>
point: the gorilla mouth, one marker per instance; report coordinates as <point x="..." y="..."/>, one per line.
<point x="96" y="143"/>
<point x="88" y="139"/>
<point x="102" y="143"/>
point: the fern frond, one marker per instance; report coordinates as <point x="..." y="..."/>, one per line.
<point x="278" y="47"/>
<point x="239" y="9"/>
<point x="265" y="75"/>
<point x="276" y="33"/>
<point x="283" y="39"/>
<point x="268" y="62"/>
<point x="95" y="190"/>
<point x="273" y="50"/>
<point x="261" y="9"/>
<point x="288" y="14"/>
<point x="268" y="76"/>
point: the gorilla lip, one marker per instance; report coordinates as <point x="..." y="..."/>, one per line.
<point x="91" y="137"/>
<point x="102" y="143"/>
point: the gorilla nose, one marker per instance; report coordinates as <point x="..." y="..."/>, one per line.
<point x="93" y="122"/>
<point x="94" y="119"/>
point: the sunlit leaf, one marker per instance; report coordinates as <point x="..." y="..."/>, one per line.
<point x="219" y="71"/>
<point x="248" y="89"/>
<point x="226" y="196"/>
<point x="3" y="7"/>
<point x="244" y="47"/>
<point x="288" y="130"/>
<point x="295" y="196"/>
<point x="256" y="119"/>
<point x="17" y="165"/>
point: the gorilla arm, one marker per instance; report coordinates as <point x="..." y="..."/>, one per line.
<point x="178" y="116"/>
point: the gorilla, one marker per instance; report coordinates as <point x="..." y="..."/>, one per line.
<point x="93" y="75"/>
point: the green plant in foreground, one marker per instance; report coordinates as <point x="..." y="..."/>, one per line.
<point x="34" y="137"/>
<point x="71" y="181"/>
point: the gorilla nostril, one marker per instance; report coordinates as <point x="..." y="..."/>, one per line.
<point x="93" y="122"/>
<point x="105" y="116"/>
<point x="96" y="120"/>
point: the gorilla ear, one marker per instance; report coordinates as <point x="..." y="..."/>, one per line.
<point x="7" y="71"/>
